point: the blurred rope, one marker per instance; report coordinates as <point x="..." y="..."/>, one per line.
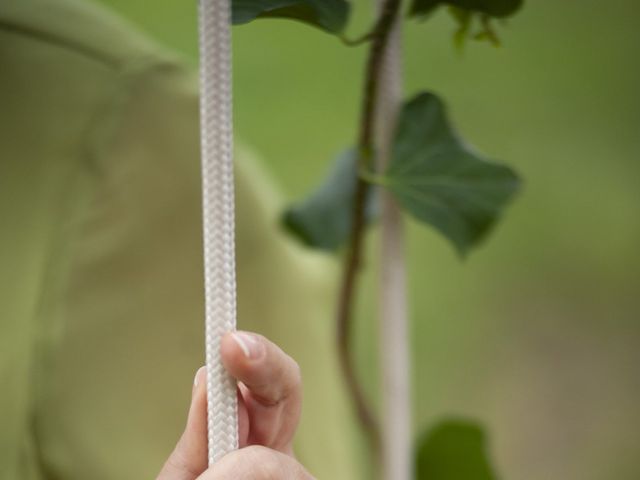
<point x="396" y="430"/>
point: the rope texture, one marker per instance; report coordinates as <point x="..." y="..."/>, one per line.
<point x="218" y="219"/>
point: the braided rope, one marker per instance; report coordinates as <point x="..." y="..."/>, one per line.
<point x="218" y="219"/>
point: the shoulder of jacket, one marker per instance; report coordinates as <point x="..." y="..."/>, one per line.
<point x="82" y="27"/>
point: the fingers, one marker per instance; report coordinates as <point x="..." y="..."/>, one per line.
<point x="270" y="386"/>
<point x="256" y="463"/>
<point x="189" y="458"/>
<point x="270" y="395"/>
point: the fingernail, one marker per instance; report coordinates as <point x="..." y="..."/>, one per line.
<point x="249" y="344"/>
<point x="196" y="378"/>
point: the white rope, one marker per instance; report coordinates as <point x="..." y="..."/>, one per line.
<point x="218" y="219"/>
<point x="393" y="318"/>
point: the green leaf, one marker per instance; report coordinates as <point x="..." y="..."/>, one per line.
<point x="453" y="450"/>
<point x="442" y="181"/>
<point x="493" y="8"/>
<point x="323" y="220"/>
<point x="329" y="15"/>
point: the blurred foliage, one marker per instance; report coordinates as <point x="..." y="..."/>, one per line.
<point x="467" y="13"/>
<point x="453" y="450"/>
<point x="434" y="175"/>
<point x="440" y="180"/>
<point x="330" y="15"/>
<point x="323" y="219"/>
<point x="493" y="8"/>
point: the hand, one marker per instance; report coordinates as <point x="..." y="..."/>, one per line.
<point x="269" y="404"/>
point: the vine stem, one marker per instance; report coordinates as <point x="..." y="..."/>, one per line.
<point x="366" y="145"/>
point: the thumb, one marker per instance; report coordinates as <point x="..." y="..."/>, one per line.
<point x="189" y="458"/>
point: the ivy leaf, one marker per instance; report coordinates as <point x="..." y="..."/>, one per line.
<point x="493" y="8"/>
<point x="323" y="220"/>
<point x="453" y="450"/>
<point x="329" y="15"/>
<point x="442" y="181"/>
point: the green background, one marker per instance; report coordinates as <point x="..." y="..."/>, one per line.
<point x="536" y="334"/>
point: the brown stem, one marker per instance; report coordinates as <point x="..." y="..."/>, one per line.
<point x="345" y="314"/>
<point x="346" y="300"/>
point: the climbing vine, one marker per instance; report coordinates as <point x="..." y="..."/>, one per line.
<point x="432" y="174"/>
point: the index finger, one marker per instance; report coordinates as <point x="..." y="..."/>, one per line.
<point x="271" y="387"/>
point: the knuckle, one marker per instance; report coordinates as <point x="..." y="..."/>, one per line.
<point x="291" y="381"/>
<point x="286" y="382"/>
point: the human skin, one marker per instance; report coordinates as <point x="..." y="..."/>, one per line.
<point x="269" y="405"/>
